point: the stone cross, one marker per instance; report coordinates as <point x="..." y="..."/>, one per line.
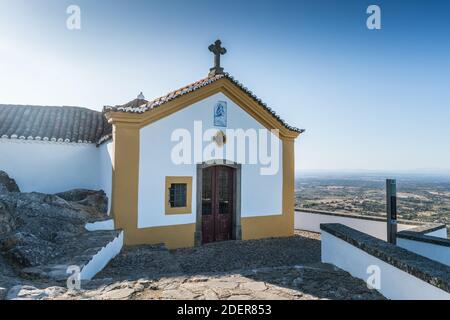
<point x="218" y="50"/>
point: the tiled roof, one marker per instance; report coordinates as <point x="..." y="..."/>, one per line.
<point x="81" y="125"/>
<point x="140" y="106"/>
<point x="57" y="124"/>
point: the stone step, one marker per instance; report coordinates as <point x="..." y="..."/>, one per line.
<point x="90" y="250"/>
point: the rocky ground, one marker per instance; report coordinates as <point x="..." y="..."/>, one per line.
<point x="39" y="230"/>
<point x="284" y="268"/>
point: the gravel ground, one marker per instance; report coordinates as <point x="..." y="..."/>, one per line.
<point x="279" y="268"/>
<point x="156" y="261"/>
<point x="303" y="248"/>
<point x="308" y="282"/>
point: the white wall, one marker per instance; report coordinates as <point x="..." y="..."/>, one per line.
<point x="105" y="169"/>
<point x="440" y="233"/>
<point x="101" y="259"/>
<point x="311" y="222"/>
<point x="100" y="225"/>
<point x="261" y="195"/>
<point x="394" y="283"/>
<point x="50" y="167"/>
<point x="426" y="249"/>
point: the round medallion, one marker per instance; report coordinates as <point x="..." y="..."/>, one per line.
<point x="220" y="138"/>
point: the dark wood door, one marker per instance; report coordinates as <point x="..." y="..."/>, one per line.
<point x="217" y="203"/>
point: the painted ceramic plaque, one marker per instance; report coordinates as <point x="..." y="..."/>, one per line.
<point x="220" y="114"/>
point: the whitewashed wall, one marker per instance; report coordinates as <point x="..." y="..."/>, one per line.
<point x="433" y="251"/>
<point x="261" y="195"/>
<point x="102" y="258"/>
<point x="311" y="222"/>
<point x="50" y="167"/>
<point x="439" y="233"/>
<point x="394" y="283"/>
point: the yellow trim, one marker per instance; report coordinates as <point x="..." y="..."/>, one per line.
<point x="176" y="236"/>
<point x="179" y="210"/>
<point x="278" y="225"/>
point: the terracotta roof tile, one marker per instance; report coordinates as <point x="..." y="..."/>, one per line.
<point x="81" y="125"/>
<point x="140" y="106"/>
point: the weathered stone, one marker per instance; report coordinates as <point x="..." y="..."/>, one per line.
<point x="254" y="286"/>
<point x="54" y="292"/>
<point x="7" y="219"/>
<point x="209" y="294"/>
<point x="21" y="292"/>
<point x="217" y="284"/>
<point x="55" y="272"/>
<point x="39" y="230"/>
<point x="117" y="294"/>
<point x="7" y="184"/>
<point x="240" y="297"/>
<point x="194" y="286"/>
<point x="26" y="249"/>
<point x="90" y="198"/>
<point x="430" y="271"/>
<point x="178" y="295"/>
<point x="2" y="293"/>
<point x="267" y="295"/>
<point x="139" y="288"/>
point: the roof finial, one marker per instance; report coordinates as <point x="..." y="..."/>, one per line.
<point x="218" y="50"/>
<point x="141" y="96"/>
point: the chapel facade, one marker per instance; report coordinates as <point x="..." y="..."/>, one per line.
<point x="207" y="162"/>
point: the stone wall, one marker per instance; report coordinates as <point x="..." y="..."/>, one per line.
<point x="397" y="273"/>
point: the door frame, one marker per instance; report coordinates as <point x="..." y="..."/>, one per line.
<point x="236" y="231"/>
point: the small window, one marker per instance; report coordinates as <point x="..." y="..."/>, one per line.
<point x="178" y="198"/>
<point x="177" y="195"/>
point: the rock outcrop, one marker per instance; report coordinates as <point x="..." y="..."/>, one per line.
<point x="35" y="227"/>
<point x="7" y="184"/>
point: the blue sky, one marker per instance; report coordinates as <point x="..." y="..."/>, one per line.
<point x="369" y="99"/>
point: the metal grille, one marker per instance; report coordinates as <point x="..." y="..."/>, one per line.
<point x="178" y="195"/>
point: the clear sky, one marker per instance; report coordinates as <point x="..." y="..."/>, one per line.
<point x="369" y="99"/>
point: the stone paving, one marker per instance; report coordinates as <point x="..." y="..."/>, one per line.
<point x="282" y="283"/>
<point x="284" y="268"/>
<point x="154" y="261"/>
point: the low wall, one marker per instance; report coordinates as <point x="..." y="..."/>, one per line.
<point x="310" y="220"/>
<point x="100" y="225"/>
<point x="428" y="241"/>
<point x="401" y="274"/>
<point x="101" y="259"/>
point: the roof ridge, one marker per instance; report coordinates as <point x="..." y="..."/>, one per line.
<point x="130" y="108"/>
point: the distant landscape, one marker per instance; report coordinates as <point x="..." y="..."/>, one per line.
<point x="421" y="197"/>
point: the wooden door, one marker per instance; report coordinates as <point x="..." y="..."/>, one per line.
<point x="217" y="203"/>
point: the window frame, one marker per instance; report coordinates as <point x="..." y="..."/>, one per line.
<point x="178" y="180"/>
